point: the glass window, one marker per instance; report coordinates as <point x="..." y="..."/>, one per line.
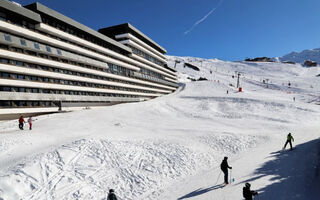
<point x="33" y="78"/>
<point x="21" y="77"/>
<point x="31" y="53"/>
<point x="59" y="52"/>
<point x="3" y="16"/>
<point x="36" y="45"/>
<point x="7" y="37"/>
<point x="23" y="42"/>
<point x="3" y="60"/>
<point x="48" y="49"/>
<point x="4" y="75"/>
<point x="6" y="89"/>
<point x="22" y="90"/>
<point x="18" y="63"/>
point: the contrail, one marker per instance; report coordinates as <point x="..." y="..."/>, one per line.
<point x="203" y="18"/>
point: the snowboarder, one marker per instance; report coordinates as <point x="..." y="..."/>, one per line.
<point x="247" y="193"/>
<point x="224" y="167"/>
<point x="30" y="122"/>
<point x="21" y="121"/>
<point x="111" y="195"/>
<point x="289" y="139"/>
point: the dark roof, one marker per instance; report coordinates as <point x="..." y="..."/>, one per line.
<point x="38" y="7"/>
<point x="128" y="28"/>
<point x="20" y="10"/>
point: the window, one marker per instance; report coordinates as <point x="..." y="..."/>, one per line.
<point x="4" y="75"/>
<point x="33" y="78"/>
<point x="17" y="49"/>
<point x="44" y="68"/>
<point x="22" y="90"/>
<point x="48" y="49"/>
<point x="59" y="52"/>
<point x="18" y="63"/>
<point x="6" y="89"/>
<point x="32" y="53"/>
<point x="21" y="77"/>
<point x="3" y="60"/>
<point x="7" y="37"/>
<point x="43" y="55"/>
<point x="3" y="16"/>
<point x="23" y="42"/>
<point x="36" y="45"/>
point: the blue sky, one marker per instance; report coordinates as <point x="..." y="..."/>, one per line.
<point x="224" y="29"/>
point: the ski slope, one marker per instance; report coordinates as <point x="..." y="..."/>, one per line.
<point x="171" y="147"/>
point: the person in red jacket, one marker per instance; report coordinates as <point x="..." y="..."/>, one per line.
<point x="21" y="121"/>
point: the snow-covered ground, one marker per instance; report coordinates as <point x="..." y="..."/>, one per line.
<point x="171" y="147"/>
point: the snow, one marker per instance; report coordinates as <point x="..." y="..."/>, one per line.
<point x="300" y="57"/>
<point x="171" y="147"/>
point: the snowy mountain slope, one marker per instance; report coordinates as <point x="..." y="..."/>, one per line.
<point x="300" y="57"/>
<point x="171" y="147"/>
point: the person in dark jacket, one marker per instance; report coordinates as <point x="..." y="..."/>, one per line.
<point x="289" y="139"/>
<point x="111" y="195"/>
<point x="21" y="121"/>
<point x="247" y="193"/>
<point x="224" y="167"/>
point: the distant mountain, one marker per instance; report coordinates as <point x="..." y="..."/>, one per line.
<point x="300" y="57"/>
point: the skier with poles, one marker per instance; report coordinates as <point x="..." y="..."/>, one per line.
<point x="111" y="195"/>
<point x="21" y="121"/>
<point x="224" y="167"/>
<point x="289" y="139"/>
<point x="247" y="193"/>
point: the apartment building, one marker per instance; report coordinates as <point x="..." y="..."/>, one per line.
<point x="49" y="62"/>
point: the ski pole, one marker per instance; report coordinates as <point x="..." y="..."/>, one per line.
<point x="218" y="178"/>
<point x="230" y="176"/>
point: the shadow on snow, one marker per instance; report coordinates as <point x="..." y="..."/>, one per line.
<point x="294" y="174"/>
<point x="201" y="191"/>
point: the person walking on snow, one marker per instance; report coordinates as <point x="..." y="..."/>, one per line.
<point x="224" y="167"/>
<point x="30" y="122"/>
<point x="289" y="139"/>
<point x="111" y="195"/>
<point x="21" y="121"/>
<point x="247" y="193"/>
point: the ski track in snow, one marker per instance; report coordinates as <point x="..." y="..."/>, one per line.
<point x="142" y="149"/>
<point x="85" y="169"/>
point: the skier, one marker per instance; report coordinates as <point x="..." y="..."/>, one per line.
<point x="111" y="195"/>
<point x="227" y="91"/>
<point x="289" y="139"/>
<point x="247" y="193"/>
<point x="21" y="121"/>
<point x="224" y="167"/>
<point x="30" y="122"/>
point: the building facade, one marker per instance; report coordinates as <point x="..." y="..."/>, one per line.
<point x="49" y="62"/>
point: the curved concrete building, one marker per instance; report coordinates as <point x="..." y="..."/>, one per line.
<point x="51" y="63"/>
